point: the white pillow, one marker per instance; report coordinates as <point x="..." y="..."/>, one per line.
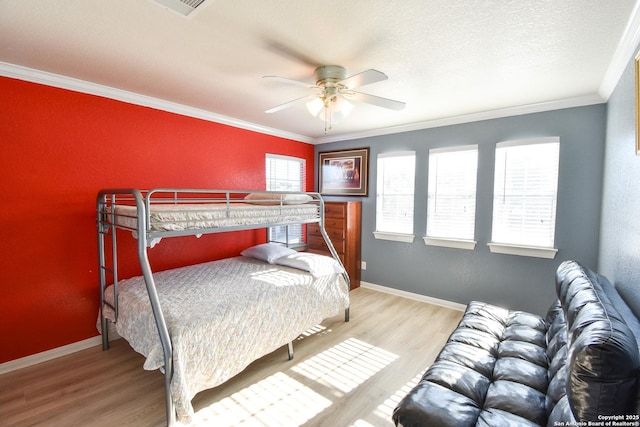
<point x="317" y="265"/>
<point x="276" y="198"/>
<point x="268" y="252"/>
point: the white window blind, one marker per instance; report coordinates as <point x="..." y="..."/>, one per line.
<point x="395" y="192"/>
<point x="284" y="173"/>
<point x="525" y="192"/>
<point x="451" y="199"/>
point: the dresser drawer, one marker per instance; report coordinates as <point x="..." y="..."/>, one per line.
<point x="335" y="234"/>
<point x="317" y="243"/>
<point x="330" y="222"/>
<point x="313" y="230"/>
<point x="335" y="210"/>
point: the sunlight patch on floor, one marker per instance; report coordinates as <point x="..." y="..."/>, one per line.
<point x="346" y="365"/>
<point x="361" y="423"/>
<point x="280" y="400"/>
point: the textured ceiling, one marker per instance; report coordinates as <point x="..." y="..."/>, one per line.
<point x="446" y="59"/>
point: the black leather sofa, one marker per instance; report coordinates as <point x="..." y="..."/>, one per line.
<point x="579" y="365"/>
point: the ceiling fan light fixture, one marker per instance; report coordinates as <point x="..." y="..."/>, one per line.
<point x="344" y="106"/>
<point x="334" y="111"/>
<point x="337" y="106"/>
<point x="315" y="106"/>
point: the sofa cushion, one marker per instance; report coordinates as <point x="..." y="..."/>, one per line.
<point x="492" y="371"/>
<point x="603" y="365"/>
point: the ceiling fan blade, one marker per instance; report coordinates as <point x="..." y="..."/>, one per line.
<point x="290" y="81"/>
<point x="364" y="78"/>
<point x="288" y="104"/>
<point x="375" y="100"/>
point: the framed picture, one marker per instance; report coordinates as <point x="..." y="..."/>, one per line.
<point x="637" y="89"/>
<point x="344" y="173"/>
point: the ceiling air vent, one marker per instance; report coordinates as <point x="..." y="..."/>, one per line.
<point x="183" y="7"/>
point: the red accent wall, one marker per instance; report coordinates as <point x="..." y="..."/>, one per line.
<point x="59" y="148"/>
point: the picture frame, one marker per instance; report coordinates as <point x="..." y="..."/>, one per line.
<point x="637" y="95"/>
<point x="344" y="172"/>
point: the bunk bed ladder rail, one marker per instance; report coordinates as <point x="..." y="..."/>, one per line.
<point x="334" y="253"/>
<point x="105" y="229"/>
<point x="147" y="274"/>
<point x="163" y="331"/>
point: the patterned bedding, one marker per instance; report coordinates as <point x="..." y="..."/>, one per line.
<point x="221" y="316"/>
<point x="171" y="217"/>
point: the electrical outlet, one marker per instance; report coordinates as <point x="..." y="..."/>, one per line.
<point x="363" y="265"/>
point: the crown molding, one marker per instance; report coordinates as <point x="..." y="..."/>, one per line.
<point x="69" y="83"/>
<point x="580" y="101"/>
<point x="624" y="53"/>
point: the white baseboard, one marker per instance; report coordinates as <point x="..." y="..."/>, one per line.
<point x="34" y="359"/>
<point x="54" y="353"/>
<point x="417" y="297"/>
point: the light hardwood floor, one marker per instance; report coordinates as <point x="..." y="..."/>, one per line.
<point x="343" y="374"/>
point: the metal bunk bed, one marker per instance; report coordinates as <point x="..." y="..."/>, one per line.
<point x="151" y="215"/>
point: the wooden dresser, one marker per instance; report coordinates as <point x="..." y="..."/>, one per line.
<point x="343" y="225"/>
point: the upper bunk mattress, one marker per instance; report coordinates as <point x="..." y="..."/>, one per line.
<point x="221" y="316"/>
<point x="178" y="217"/>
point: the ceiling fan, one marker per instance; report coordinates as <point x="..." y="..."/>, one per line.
<point x="332" y="92"/>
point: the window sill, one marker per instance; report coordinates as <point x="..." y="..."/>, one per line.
<point x="395" y="237"/>
<point x="449" y="243"/>
<point x="530" y="251"/>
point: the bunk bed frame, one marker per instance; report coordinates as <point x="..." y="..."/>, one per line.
<point x="151" y="215"/>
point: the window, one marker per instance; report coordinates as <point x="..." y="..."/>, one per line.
<point x="451" y="199"/>
<point x="394" y="198"/>
<point x="285" y="173"/>
<point x="524" y="198"/>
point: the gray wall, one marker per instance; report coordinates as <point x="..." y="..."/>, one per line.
<point x="460" y="275"/>
<point x="620" y="231"/>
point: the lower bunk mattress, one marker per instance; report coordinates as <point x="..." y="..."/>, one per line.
<point x="222" y="316"/>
